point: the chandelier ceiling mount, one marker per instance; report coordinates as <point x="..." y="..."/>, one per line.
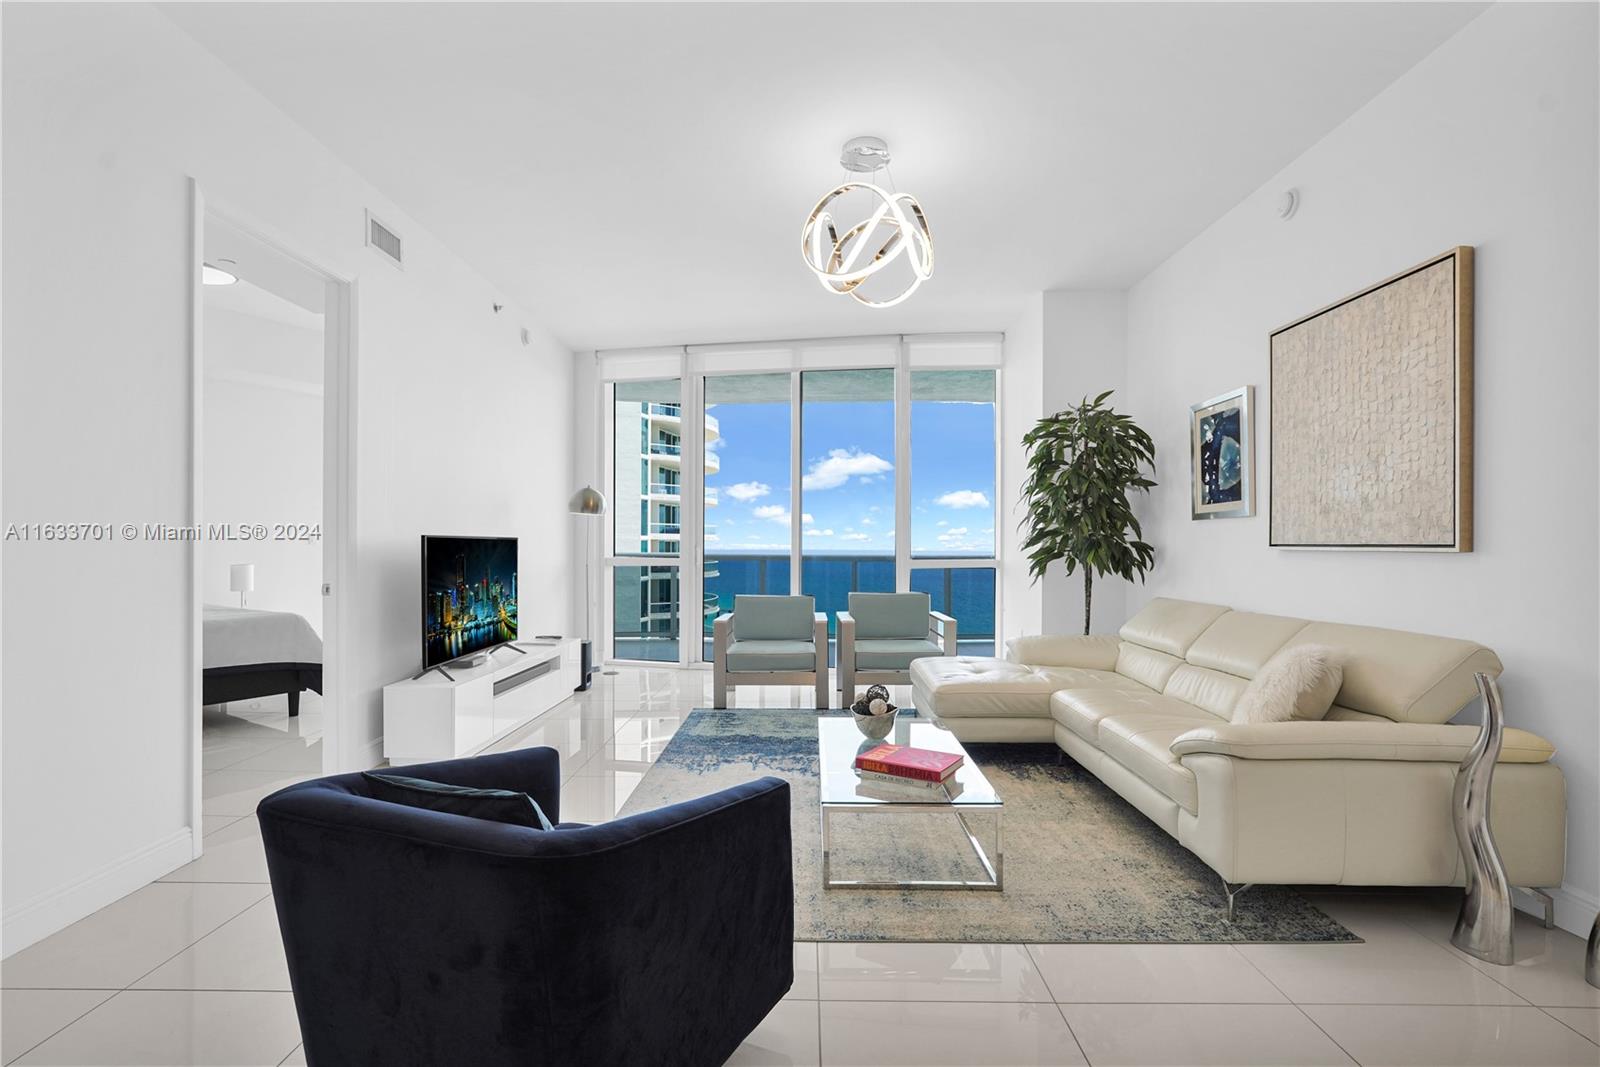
<point x="895" y="228"/>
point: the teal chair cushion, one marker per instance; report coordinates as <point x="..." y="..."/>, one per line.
<point x="880" y="654"/>
<point x="773" y="618"/>
<point x="890" y="615"/>
<point x="772" y="656"/>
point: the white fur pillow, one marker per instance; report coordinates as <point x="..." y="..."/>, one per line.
<point x="1297" y="683"/>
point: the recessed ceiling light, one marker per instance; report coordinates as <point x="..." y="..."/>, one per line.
<point x="210" y="275"/>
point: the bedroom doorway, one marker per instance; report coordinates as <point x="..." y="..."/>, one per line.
<point x="272" y="340"/>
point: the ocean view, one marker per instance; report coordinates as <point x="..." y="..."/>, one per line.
<point x="965" y="593"/>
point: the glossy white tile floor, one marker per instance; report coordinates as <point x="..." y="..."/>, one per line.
<point x="190" y="970"/>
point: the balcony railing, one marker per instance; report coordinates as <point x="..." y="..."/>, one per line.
<point x="661" y="448"/>
<point x="665" y="489"/>
<point x="672" y="410"/>
<point x="672" y="528"/>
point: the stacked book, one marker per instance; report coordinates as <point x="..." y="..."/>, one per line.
<point x="905" y="765"/>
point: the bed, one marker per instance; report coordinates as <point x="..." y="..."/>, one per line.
<point x="247" y="653"/>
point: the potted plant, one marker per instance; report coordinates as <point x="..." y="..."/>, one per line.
<point x="1082" y="465"/>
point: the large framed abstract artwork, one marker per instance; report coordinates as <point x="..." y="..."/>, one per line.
<point x="1222" y="456"/>
<point x="1370" y="435"/>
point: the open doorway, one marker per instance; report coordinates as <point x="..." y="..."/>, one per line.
<point x="269" y="353"/>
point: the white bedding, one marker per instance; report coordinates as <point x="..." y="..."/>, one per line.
<point x="234" y="637"/>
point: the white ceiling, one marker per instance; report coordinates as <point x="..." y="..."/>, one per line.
<point x="638" y="174"/>
<point x="242" y="298"/>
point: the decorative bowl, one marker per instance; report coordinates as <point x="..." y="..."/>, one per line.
<point x="875" y="727"/>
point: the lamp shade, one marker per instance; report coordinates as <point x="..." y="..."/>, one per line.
<point x="587" y="501"/>
<point x="242" y="577"/>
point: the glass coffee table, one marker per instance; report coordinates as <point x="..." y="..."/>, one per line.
<point x="966" y="796"/>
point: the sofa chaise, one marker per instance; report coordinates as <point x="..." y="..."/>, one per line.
<point x="1361" y="797"/>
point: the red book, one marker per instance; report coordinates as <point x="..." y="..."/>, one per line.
<point x="903" y="761"/>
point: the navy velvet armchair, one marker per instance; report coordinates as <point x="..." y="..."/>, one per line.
<point x="417" y="937"/>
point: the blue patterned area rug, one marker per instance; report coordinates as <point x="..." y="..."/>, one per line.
<point x="1081" y="864"/>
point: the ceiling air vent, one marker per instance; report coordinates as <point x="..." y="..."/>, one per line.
<point x="385" y="240"/>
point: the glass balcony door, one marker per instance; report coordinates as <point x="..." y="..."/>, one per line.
<point x="951" y="499"/>
<point x="815" y="480"/>
<point x="746" y="528"/>
<point x="846" y="527"/>
<point x="647" y="523"/>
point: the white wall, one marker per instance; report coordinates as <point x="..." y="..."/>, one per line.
<point x="1085" y="351"/>
<point x="262" y="458"/>
<point x="108" y="109"/>
<point x="1491" y="142"/>
<point x="1021" y="406"/>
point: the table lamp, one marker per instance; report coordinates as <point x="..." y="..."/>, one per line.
<point x="242" y="579"/>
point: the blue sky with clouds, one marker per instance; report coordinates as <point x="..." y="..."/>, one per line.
<point x="847" y="489"/>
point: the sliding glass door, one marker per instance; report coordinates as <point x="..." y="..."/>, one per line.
<point x="847" y="487"/>
<point x="746" y="531"/>
<point x="814" y="479"/>
<point x="954" y="425"/>
<point x="647" y="522"/>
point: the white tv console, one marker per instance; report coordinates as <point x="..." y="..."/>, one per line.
<point x="434" y="717"/>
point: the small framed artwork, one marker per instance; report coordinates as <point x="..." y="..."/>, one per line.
<point x="1222" y="457"/>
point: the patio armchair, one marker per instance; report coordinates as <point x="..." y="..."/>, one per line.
<point x="882" y="633"/>
<point x="770" y="640"/>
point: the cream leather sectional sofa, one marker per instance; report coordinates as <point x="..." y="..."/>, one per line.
<point x="1360" y="798"/>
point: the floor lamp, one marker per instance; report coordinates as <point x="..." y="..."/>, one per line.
<point x="589" y="502"/>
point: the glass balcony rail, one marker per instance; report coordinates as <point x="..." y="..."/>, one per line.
<point x="673" y="410"/>
<point x="645" y="621"/>
<point x="661" y="448"/>
<point x="666" y="528"/>
<point x="665" y="489"/>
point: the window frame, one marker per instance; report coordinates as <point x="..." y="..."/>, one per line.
<point x="694" y="366"/>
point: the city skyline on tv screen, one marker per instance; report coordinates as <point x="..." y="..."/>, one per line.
<point x="469" y="594"/>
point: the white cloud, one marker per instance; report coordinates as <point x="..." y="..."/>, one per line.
<point x="856" y="537"/>
<point x="942" y="522"/>
<point x="814" y="532"/>
<point x="745" y="491"/>
<point x="955" y="533"/>
<point x="963" y="498"/>
<point x="773" y="513"/>
<point x="869" y="521"/>
<point x="806" y="519"/>
<point x="842" y="465"/>
<point x="712" y="539"/>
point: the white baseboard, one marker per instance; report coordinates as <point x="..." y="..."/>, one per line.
<point x="370" y="755"/>
<point x="33" y="920"/>
<point x="1575" y="909"/>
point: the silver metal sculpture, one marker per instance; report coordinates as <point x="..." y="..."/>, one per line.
<point x="1484" y="927"/>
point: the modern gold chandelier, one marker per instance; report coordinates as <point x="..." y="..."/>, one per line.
<point x="897" y="220"/>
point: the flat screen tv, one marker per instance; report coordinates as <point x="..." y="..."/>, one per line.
<point x="469" y="596"/>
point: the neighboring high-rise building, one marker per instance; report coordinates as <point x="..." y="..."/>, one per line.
<point x="648" y="481"/>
